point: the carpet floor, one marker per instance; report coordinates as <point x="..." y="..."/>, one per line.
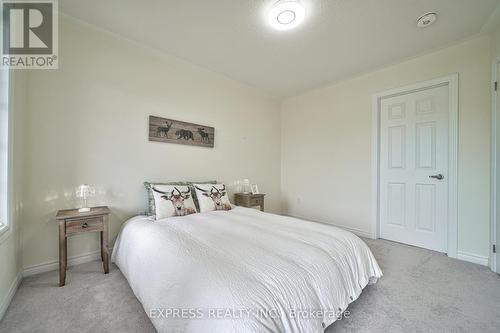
<point x="421" y="291"/>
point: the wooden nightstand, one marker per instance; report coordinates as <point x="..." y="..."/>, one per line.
<point x="249" y="200"/>
<point x="72" y="222"/>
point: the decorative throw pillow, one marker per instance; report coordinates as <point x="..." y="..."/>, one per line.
<point x="151" y="208"/>
<point x="212" y="197"/>
<point x="193" y="191"/>
<point x="172" y="200"/>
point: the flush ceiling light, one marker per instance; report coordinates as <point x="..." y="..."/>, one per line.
<point x="427" y="19"/>
<point x="286" y="14"/>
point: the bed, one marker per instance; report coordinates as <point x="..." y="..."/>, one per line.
<point x="242" y="271"/>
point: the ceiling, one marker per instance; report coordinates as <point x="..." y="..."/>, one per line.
<point x="338" y="39"/>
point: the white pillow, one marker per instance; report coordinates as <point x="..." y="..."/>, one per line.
<point x="172" y="200"/>
<point x="212" y="197"/>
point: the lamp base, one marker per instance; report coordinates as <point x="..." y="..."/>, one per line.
<point x="84" y="210"/>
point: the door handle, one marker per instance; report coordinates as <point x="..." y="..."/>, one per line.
<point x="438" y="176"/>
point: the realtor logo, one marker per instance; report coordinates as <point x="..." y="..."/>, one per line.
<point x="29" y="34"/>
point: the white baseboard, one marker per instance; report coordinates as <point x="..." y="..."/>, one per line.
<point x="54" y="265"/>
<point x="357" y="232"/>
<point x="10" y="295"/>
<point x="474" y="258"/>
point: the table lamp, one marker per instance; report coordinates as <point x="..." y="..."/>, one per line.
<point x="84" y="191"/>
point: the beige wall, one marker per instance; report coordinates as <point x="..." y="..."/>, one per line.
<point x="87" y="123"/>
<point x="495" y="44"/>
<point x="326" y="143"/>
<point x="10" y="249"/>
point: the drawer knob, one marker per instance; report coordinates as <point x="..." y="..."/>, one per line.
<point x="85" y="225"/>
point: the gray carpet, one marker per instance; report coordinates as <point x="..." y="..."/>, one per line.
<point x="421" y="291"/>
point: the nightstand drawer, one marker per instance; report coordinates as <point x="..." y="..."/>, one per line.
<point x="84" y="225"/>
<point x="255" y="201"/>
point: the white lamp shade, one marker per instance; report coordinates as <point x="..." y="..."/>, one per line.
<point x="85" y="191"/>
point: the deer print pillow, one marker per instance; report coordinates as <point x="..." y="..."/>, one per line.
<point x="212" y="197"/>
<point x="172" y="200"/>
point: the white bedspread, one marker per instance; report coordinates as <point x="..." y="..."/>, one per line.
<point x="242" y="271"/>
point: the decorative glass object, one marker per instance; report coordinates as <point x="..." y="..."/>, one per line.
<point x="246" y="186"/>
<point x="84" y="192"/>
<point x="238" y="186"/>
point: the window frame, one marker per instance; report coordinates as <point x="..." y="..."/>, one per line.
<point x="6" y="230"/>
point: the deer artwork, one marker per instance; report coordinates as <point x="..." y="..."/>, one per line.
<point x="203" y="135"/>
<point x="177" y="200"/>
<point x="162" y="131"/>
<point x="216" y="195"/>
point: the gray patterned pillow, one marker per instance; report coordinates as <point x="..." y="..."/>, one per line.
<point x="151" y="208"/>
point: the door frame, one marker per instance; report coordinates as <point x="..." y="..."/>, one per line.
<point x="452" y="82"/>
<point x="495" y="114"/>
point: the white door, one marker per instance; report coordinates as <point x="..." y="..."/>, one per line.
<point x="414" y="168"/>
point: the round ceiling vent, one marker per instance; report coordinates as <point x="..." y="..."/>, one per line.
<point x="426" y="20"/>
